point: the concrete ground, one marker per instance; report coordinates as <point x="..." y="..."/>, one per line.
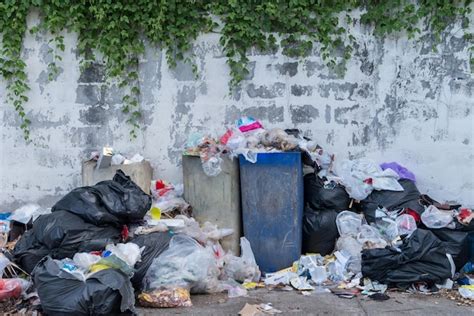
<point x="293" y="303"/>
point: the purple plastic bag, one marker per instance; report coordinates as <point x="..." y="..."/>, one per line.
<point x="403" y="172"/>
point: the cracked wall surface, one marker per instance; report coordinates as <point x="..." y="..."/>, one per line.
<point x="398" y="101"/>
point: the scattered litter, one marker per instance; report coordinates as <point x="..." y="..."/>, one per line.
<point x="345" y="293"/>
<point x="379" y="297"/>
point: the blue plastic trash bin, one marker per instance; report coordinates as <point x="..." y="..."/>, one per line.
<point x="272" y="208"/>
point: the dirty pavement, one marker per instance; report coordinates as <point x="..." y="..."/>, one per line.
<point x="265" y="222"/>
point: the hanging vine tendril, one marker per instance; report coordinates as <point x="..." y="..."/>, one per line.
<point x="120" y="29"/>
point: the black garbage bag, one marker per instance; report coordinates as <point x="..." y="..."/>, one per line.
<point x="320" y="198"/>
<point x="112" y="202"/>
<point x="61" y="234"/>
<point x="319" y="231"/>
<point x="457" y="244"/>
<point x="155" y="244"/>
<point x="105" y="292"/>
<point x="392" y="200"/>
<point x="423" y="258"/>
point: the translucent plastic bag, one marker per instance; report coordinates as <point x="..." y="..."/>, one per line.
<point x="349" y="245"/>
<point x="212" y="167"/>
<point x="387" y="228"/>
<point x="406" y="224"/>
<point x="348" y="223"/>
<point x="12" y="288"/>
<point x="370" y="237"/>
<point x="432" y="217"/>
<point x="208" y="231"/>
<point x="28" y="212"/>
<point x="243" y="268"/>
<point x="185" y="264"/>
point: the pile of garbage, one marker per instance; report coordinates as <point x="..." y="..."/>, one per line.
<point x="368" y="223"/>
<point x="107" y="246"/>
<point x="107" y="157"/>
<point x="367" y="229"/>
<point x="248" y="138"/>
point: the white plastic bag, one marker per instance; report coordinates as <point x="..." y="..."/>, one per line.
<point x="348" y="223"/>
<point x="27" y="212"/>
<point x="357" y="174"/>
<point x="243" y="268"/>
<point x="406" y="224"/>
<point x="84" y="260"/>
<point x="129" y="252"/>
<point x="353" y="180"/>
<point x="432" y="217"/>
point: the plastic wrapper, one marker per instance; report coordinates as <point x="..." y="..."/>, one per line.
<point x="348" y="223"/>
<point x="370" y="237"/>
<point x="406" y="224"/>
<point x="184" y="264"/>
<point x="163" y="298"/>
<point x="247" y="124"/>
<point x="243" y="268"/>
<point x="432" y="217"/>
<point x="129" y="252"/>
<point x="12" y="288"/>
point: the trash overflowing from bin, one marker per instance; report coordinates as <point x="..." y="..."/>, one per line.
<point x="366" y="230"/>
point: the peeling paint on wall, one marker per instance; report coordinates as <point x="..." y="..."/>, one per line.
<point x="398" y="101"/>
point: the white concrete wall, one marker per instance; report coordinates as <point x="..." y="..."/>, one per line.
<point x="398" y="101"/>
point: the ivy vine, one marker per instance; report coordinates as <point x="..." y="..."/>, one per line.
<point x="119" y="30"/>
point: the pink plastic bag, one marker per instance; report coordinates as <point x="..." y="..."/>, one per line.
<point x="10" y="288"/>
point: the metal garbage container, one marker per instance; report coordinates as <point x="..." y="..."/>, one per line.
<point x="215" y="199"/>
